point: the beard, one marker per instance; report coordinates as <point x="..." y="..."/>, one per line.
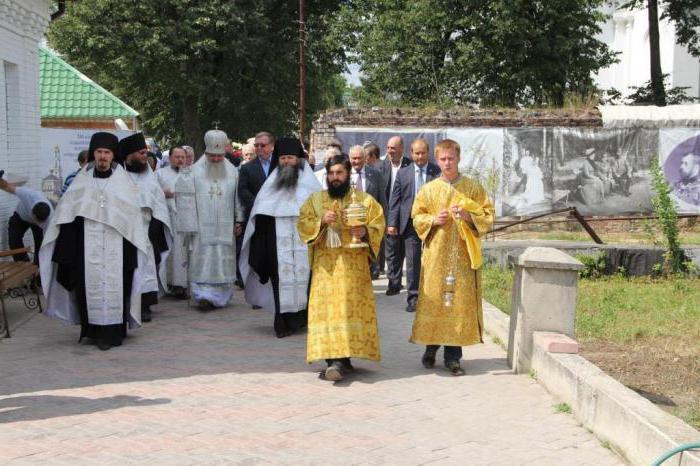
<point x="215" y="171"/>
<point x="136" y="166"/>
<point x="288" y="176"/>
<point x="339" y="190"/>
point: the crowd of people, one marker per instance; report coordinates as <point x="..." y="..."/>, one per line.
<point x="126" y="232"/>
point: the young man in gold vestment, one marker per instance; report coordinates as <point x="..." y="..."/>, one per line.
<point x="450" y="214"/>
<point x="342" y="314"/>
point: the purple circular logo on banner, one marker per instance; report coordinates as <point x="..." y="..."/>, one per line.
<point x="682" y="170"/>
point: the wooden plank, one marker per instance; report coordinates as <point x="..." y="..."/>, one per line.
<point x="586" y="226"/>
<point x="12" y="252"/>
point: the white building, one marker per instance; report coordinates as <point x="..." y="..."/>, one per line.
<point x="627" y="32"/>
<point x="22" y="25"/>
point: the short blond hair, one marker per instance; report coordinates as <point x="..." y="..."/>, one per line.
<point x="447" y="144"/>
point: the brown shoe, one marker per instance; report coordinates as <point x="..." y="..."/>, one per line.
<point x="334" y="372"/>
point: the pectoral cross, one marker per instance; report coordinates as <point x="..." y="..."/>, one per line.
<point x="216" y="124"/>
<point x="215" y="190"/>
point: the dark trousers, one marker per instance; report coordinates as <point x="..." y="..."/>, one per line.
<point x="452" y="353"/>
<point x="394" y="260"/>
<point x="377" y="266"/>
<point x="15" y="233"/>
<point x="413" y="248"/>
<point x="239" y="245"/>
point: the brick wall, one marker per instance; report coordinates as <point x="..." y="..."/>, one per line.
<point x="22" y="25"/>
<point x="324" y="127"/>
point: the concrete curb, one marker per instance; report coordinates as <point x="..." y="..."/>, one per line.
<point x="634" y="426"/>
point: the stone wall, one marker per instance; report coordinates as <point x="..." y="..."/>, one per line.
<point x="324" y="127"/>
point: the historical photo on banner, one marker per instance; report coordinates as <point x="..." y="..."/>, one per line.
<point x="602" y="171"/>
<point x="527" y="184"/>
<point x="679" y="153"/>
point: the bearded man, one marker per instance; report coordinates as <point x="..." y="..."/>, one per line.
<point x="219" y="214"/>
<point x="274" y="261"/>
<point x="342" y="314"/>
<point x="155" y="216"/>
<point x="94" y="252"/>
<point x="176" y="263"/>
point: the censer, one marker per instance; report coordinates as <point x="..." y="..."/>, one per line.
<point x="448" y="286"/>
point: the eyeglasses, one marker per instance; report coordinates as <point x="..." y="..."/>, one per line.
<point x="259" y="145"/>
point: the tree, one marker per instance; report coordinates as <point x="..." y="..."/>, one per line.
<point x="185" y="65"/>
<point x="685" y="14"/>
<point x="501" y="52"/>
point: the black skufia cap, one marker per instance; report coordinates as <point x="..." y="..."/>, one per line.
<point x="103" y="140"/>
<point x="131" y="144"/>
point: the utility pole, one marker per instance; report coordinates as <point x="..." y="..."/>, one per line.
<point x="302" y="73"/>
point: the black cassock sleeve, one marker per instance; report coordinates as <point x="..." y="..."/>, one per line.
<point x="156" y="234"/>
<point x="69" y="254"/>
<point x="263" y="248"/>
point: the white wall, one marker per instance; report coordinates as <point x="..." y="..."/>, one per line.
<point x="627" y="32"/>
<point x="22" y="26"/>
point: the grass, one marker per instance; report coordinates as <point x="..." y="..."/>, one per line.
<point x="687" y="238"/>
<point x="643" y="331"/>
<point x="620" y="309"/>
<point x="562" y="408"/>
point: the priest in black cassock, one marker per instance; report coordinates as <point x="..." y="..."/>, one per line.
<point x="274" y="261"/>
<point x="93" y="252"/>
<point x="133" y="154"/>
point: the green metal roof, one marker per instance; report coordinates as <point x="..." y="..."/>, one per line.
<point x="68" y="93"/>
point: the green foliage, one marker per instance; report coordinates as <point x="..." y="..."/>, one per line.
<point x="562" y="408"/>
<point x="667" y="219"/>
<point x="498" y="53"/>
<point x="594" y="265"/>
<point x="185" y="64"/>
<point x="644" y="95"/>
<point x="497" y="285"/>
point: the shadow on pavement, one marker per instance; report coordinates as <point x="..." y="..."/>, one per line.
<point x="37" y="407"/>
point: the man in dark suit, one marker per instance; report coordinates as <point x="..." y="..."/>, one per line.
<point x="368" y="180"/>
<point x="251" y="177"/>
<point x="399" y="224"/>
<point x="393" y="244"/>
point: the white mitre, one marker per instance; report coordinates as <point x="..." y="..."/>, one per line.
<point x="215" y="142"/>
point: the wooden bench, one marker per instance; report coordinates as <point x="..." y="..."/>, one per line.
<point x="17" y="279"/>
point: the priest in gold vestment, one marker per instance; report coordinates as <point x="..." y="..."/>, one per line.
<point x="342" y="314"/>
<point x="450" y="214"/>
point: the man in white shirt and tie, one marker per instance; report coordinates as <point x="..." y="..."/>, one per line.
<point x="408" y="182"/>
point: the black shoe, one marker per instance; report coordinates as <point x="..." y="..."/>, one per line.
<point x="255" y="306"/>
<point x="146" y="315"/>
<point x="428" y="359"/>
<point x="334" y="372"/>
<point x="103" y="345"/>
<point x="454" y="368"/>
<point x="205" y="305"/>
<point x="411" y="308"/>
<point x="284" y="333"/>
<point x="393" y="291"/>
<point x="375" y="276"/>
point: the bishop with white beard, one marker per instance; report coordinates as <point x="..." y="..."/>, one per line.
<point x="154" y="215"/>
<point x="274" y="261"/>
<point x="213" y="265"/>
<point x="94" y="253"/>
<point x="176" y="263"/>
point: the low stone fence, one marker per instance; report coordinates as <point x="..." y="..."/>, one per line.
<point x="540" y="334"/>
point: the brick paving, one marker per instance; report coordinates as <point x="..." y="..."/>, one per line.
<point x="219" y="388"/>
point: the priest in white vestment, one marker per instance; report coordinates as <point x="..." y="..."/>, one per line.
<point x="274" y="261"/>
<point x="94" y="253"/>
<point x="213" y="259"/>
<point x="176" y="264"/>
<point x="155" y="216"/>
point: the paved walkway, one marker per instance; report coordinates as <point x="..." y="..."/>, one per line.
<point x="218" y="387"/>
